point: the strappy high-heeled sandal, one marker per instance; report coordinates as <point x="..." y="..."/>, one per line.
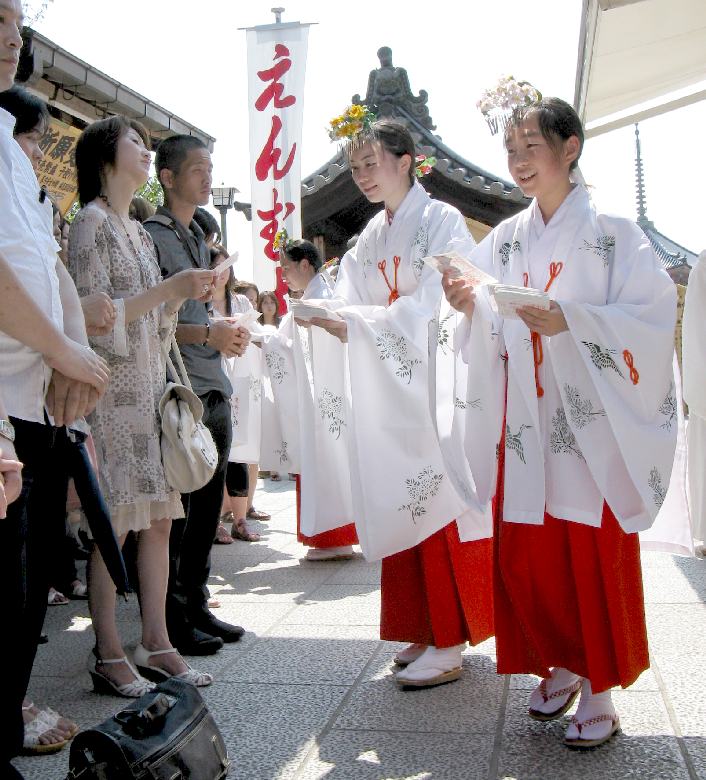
<point x="103" y="684"/>
<point x="193" y="676"/>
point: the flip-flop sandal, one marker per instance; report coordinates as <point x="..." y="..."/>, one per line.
<point x="256" y="514"/>
<point x="578" y="742"/>
<point x="56" y="599"/>
<point x="240" y="531"/>
<point x="571" y="690"/>
<point x="222" y="535"/>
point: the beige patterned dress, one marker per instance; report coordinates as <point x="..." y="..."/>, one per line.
<point x="125" y="424"/>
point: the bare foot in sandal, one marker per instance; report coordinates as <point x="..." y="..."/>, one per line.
<point x="45" y="730"/>
<point x="240" y="530"/>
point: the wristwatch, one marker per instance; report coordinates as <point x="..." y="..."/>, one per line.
<point x="6" y="430"/>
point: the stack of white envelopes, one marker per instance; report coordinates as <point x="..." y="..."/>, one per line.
<point x="509" y="298"/>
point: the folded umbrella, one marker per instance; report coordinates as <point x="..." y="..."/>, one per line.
<point x="96" y="511"/>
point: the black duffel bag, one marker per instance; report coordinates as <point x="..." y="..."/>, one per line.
<point x="167" y="734"/>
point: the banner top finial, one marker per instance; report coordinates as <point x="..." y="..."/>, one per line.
<point x="278" y="14"/>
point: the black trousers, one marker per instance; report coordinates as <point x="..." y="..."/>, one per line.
<point x="24" y="553"/>
<point x="191" y="538"/>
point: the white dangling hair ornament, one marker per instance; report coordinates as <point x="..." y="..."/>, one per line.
<point x="498" y="105"/>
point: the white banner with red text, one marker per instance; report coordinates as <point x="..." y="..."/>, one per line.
<point x="276" y="70"/>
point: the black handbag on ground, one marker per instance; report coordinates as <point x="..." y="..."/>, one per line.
<point x="167" y="734"/>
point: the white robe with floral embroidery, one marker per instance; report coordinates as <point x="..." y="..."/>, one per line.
<point x="694" y="365"/>
<point x="605" y="427"/>
<point x="401" y="489"/>
<point x="245" y="374"/>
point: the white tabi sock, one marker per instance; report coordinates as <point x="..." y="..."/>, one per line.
<point x="592" y="706"/>
<point x="433" y="662"/>
<point x="560" y="680"/>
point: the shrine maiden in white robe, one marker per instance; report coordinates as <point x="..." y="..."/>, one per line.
<point x="245" y="374"/>
<point x="401" y="491"/>
<point x="322" y="398"/>
<point x="605" y="427"/>
<point x="694" y="367"/>
<point x="282" y="451"/>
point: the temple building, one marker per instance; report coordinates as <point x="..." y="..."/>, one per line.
<point x="676" y="259"/>
<point x="333" y="208"/>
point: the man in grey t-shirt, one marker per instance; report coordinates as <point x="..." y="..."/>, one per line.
<point x="184" y="169"/>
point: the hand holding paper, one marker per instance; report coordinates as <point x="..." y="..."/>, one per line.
<point x="305" y="311"/>
<point x="509" y="298"/>
<point x="454" y="265"/>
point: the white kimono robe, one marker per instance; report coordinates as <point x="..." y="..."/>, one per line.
<point x="323" y="398"/>
<point x="694" y="367"/>
<point x="245" y="374"/>
<point x="605" y="427"/>
<point x="401" y="491"/>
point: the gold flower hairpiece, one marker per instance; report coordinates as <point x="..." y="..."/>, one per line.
<point x="281" y="242"/>
<point x="353" y="126"/>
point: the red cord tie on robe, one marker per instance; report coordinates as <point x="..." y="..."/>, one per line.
<point x="394" y="294"/>
<point x="630" y="363"/>
<point x="537" y="350"/>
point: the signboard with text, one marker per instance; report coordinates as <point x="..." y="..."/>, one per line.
<point x="276" y="68"/>
<point x="57" y="171"/>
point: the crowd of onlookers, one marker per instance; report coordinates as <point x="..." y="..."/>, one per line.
<point x="87" y="315"/>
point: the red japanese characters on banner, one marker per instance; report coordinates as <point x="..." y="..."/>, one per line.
<point x="276" y="65"/>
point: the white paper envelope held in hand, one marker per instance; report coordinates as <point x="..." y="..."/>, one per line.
<point x="301" y="310"/>
<point x="232" y="259"/>
<point x="244" y="320"/>
<point x="462" y="267"/>
<point x="509" y="298"/>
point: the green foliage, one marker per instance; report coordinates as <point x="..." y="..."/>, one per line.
<point x="152" y="191"/>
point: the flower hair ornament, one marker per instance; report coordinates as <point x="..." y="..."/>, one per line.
<point x="498" y="105"/>
<point x="282" y="242"/>
<point x="423" y="165"/>
<point x="353" y="127"/>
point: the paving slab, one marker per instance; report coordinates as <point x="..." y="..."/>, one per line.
<point x="309" y="692"/>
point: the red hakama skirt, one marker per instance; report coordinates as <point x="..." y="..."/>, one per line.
<point x="439" y="592"/>
<point x="339" y="537"/>
<point x="569" y="595"/>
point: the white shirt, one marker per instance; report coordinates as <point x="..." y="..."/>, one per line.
<point x="27" y="243"/>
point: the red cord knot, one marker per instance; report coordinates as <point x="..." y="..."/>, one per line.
<point x="394" y="293"/>
<point x="537" y="350"/>
<point x="630" y="363"/>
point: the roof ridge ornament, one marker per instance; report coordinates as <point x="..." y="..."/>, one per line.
<point x="390" y="95"/>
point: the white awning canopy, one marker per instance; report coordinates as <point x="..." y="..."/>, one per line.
<point x="639" y="58"/>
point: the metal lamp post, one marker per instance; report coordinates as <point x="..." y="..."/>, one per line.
<point x="223" y="198"/>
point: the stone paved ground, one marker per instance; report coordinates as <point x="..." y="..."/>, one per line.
<point x="308" y="693"/>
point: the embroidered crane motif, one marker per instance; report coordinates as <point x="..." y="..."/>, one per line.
<point x="601" y="357"/>
<point x="506" y="251"/>
<point x="513" y="441"/>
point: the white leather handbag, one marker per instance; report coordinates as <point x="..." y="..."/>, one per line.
<point x="189" y="454"/>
